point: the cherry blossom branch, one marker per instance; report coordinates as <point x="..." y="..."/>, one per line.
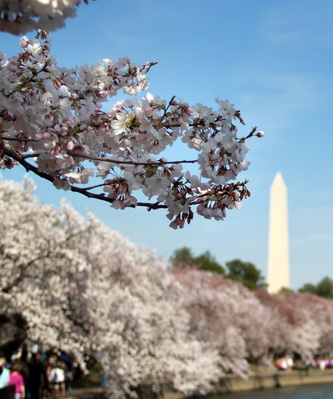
<point x="56" y="119"/>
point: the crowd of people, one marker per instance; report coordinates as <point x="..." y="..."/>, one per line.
<point x="324" y="363"/>
<point x="284" y="363"/>
<point x="287" y="363"/>
<point x="37" y="376"/>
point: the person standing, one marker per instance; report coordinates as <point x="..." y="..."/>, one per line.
<point x="57" y="380"/>
<point x="35" y="376"/>
<point x="4" y="373"/>
<point x="16" y="379"/>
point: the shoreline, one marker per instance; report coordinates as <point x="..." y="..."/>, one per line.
<point x="233" y="384"/>
<point x="268" y="380"/>
<point x="276" y="379"/>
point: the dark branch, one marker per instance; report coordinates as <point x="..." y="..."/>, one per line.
<point x="105" y="159"/>
<point x="31" y="168"/>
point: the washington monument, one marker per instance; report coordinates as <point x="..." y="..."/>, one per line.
<point x="278" y="242"/>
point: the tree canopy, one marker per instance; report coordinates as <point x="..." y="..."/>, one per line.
<point x="184" y="257"/>
<point x="324" y="288"/>
<point x="237" y="270"/>
<point x="246" y="273"/>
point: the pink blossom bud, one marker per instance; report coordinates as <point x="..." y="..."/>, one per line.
<point x="8" y="118"/>
<point x="9" y="163"/>
<point x="61" y="184"/>
<point x="57" y="83"/>
<point x="260" y="134"/>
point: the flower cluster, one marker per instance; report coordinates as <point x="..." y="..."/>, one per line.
<point x="53" y="117"/>
<point x="20" y="16"/>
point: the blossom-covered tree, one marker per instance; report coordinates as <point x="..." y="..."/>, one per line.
<point x="73" y="284"/>
<point x="319" y="313"/>
<point x="52" y="123"/>
<point x="34" y="252"/>
<point x="255" y="326"/>
<point x="305" y="324"/>
<point x="228" y="316"/>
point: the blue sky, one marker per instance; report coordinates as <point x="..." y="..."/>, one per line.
<point x="274" y="61"/>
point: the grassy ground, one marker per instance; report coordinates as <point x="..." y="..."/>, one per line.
<point x="91" y="380"/>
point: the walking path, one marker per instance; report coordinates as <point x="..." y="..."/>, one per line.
<point x="86" y="393"/>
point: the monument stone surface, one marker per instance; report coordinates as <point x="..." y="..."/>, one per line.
<point x="278" y="240"/>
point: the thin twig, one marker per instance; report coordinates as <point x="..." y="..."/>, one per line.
<point x="115" y="161"/>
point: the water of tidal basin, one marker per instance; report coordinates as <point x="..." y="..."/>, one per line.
<point x="324" y="391"/>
